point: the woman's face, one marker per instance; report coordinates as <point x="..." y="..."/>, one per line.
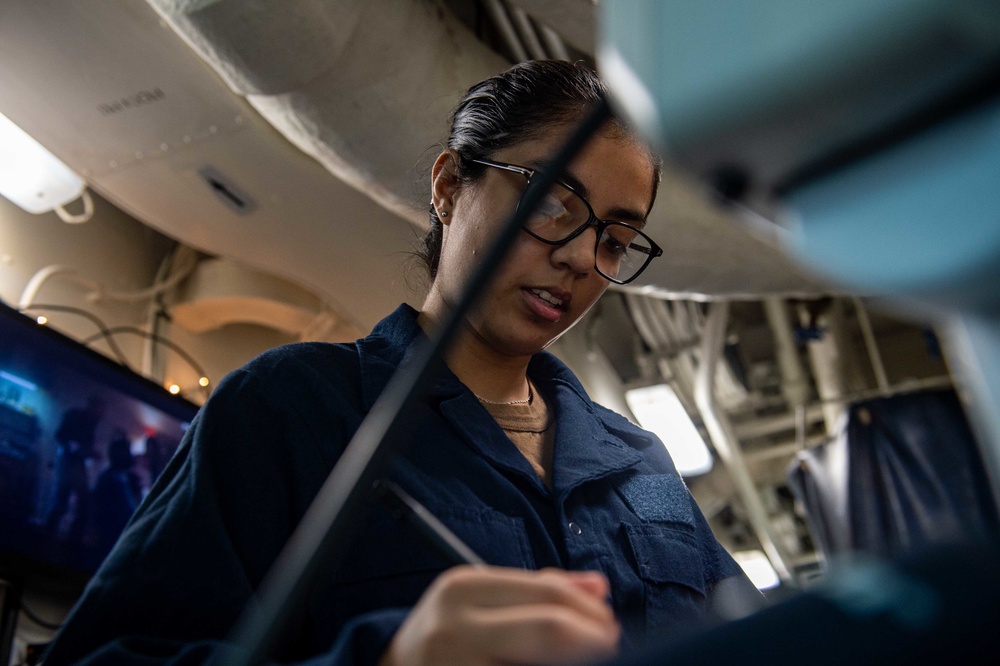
<point x="541" y="290"/>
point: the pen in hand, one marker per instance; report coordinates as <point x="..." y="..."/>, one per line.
<point x="409" y="510"/>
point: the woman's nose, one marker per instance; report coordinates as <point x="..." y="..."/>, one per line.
<point x="577" y="254"/>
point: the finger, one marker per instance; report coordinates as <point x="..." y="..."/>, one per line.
<point x="497" y="587"/>
<point x="541" y="634"/>
<point x="591" y="582"/>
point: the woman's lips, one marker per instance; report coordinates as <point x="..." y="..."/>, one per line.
<point x="548" y="297"/>
<point x="545" y="303"/>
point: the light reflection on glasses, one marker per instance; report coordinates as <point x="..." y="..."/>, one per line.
<point x="621" y="252"/>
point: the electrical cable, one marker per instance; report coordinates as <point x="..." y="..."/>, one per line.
<point x="155" y="309"/>
<point x="28" y="613"/>
<point x="187" y="261"/>
<point x="115" y="349"/>
<point x="155" y="338"/>
<point x="336" y="508"/>
<point x="36" y="281"/>
<point x="88" y="211"/>
<point x="183" y="264"/>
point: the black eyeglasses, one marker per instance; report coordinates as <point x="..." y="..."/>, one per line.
<point x="621" y="252"/>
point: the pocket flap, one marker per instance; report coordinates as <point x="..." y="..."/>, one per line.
<point x="666" y="555"/>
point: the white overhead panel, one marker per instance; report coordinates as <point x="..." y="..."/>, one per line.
<point x="712" y="250"/>
<point x="364" y="87"/>
<point x="113" y="92"/>
<point x="230" y="146"/>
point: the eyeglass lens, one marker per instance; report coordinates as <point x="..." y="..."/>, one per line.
<point x="621" y="251"/>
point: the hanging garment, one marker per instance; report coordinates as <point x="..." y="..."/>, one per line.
<point x="914" y="477"/>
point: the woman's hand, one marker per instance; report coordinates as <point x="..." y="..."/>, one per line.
<point x="485" y="616"/>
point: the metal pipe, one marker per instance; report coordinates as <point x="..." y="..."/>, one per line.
<point x="794" y="381"/>
<point x="681" y="365"/>
<point x="908" y="386"/>
<point x="764" y="426"/>
<point x="502" y="21"/>
<point x="881" y="379"/>
<point x="639" y="318"/>
<point x="813" y="412"/>
<point x="651" y="328"/>
<point x="725" y="441"/>
<point x="783" y="449"/>
<point x="824" y="354"/>
<point x="554" y="43"/>
<point x="656" y="324"/>
<point x="670" y="318"/>
<point x="527" y="32"/>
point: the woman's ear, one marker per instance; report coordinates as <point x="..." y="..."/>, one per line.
<point x="445" y="184"/>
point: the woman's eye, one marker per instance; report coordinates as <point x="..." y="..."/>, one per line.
<point x="551" y="207"/>
<point x="613" y="246"/>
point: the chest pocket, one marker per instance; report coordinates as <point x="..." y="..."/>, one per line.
<point x="670" y="565"/>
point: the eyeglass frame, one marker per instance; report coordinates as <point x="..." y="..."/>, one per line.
<point x="592" y="221"/>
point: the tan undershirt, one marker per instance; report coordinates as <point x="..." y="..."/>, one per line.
<point x="528" y="425"/>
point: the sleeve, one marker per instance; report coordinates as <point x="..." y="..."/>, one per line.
<point x="199" y="545"/>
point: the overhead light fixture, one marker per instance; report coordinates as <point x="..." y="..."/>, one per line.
<point x="757" y="568"/>
<point x="32" y="177"/>
<point x="659" y="410"/>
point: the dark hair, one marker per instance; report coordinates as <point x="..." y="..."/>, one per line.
<point x="514" y="106"/>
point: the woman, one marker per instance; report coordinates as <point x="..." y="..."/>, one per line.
<point x="592" y="539"/>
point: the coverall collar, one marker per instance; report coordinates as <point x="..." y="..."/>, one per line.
<point x="585" y="450"/>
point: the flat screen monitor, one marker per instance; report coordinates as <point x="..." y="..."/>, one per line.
<point x="82" y="439"/>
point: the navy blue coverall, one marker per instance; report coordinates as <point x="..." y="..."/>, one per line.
<point x="264" y="442"/>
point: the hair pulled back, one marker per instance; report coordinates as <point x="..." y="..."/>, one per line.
<point x="516" y="105"/>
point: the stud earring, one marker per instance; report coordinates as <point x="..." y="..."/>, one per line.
<point x="444" y="213"/>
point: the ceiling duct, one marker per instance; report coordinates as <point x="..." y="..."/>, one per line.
<point x="220" y="292"/>
<point x="115" y="90"/>
<point x="362" y="90"/>
<point x="366" y="91"/>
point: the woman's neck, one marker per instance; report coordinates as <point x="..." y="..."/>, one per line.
<point x="488" y="373"/>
